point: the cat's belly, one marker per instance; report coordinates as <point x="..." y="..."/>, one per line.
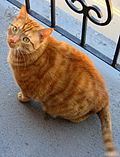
<point x="73" y="112"/>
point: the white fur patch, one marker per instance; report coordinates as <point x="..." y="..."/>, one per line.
<point x="112" y="154"/>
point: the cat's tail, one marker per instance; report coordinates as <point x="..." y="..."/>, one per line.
<point x="105" y="119"/>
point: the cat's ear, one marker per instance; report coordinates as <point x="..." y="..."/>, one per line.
<point x="45" y="33"/>
<point x="23" y="13"/>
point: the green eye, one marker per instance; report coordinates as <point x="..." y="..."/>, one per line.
<point x="14" y="29"/>
<point x="26" y="40"/>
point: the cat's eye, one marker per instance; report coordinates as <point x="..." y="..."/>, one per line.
<point x="26" y="39"/>
<point x="14" y="29"/>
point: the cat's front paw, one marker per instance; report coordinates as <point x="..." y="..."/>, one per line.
<point x="22" y="98"/>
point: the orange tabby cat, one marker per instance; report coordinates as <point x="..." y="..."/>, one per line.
<point x="57" y="74"/>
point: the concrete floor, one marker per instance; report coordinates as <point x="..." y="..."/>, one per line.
<point x="24" y="129"/>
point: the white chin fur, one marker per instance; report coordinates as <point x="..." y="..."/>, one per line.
<point x="111" y="154"/>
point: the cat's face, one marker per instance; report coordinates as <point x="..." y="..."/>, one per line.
<point x="20" y="39"/>
<point x="25" y="35"/>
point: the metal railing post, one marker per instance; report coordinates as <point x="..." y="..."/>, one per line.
<point x="27" y="2"/>
<point x="117" y="52"/>
<point x="53" y="13"/>
<point x="84" y="29"/>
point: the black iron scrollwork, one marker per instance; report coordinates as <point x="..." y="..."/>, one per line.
<point x="86" y="11"/>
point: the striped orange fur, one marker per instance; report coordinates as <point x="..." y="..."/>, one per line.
<point x="57" y="74"/>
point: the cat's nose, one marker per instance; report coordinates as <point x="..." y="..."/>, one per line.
<point x="13" y="41"/>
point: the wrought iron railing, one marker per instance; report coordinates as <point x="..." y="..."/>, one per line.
<point x="86" y="11"/>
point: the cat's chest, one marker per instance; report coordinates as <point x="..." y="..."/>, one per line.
<point x="32" y="83"/>
<point x="26" y="79"/>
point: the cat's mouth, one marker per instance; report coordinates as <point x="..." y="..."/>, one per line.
<point x="12" y="45"/>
